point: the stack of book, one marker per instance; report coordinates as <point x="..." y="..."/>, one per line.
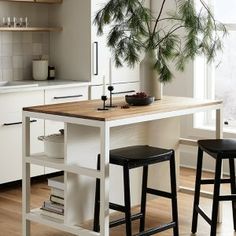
<point x="54" y="207"/>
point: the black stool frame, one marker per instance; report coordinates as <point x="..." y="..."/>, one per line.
<point x="217" y="181"/>
<point x="145" y="190"/>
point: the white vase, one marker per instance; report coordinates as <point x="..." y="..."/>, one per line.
<point x="150" y="82"/>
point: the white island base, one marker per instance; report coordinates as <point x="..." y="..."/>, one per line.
<point x="83" y="145"/>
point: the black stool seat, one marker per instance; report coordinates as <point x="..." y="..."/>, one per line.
<point x="141" y="155"/>
<point x="133" y="157"/>
<point x="219" y="149"/>
<point x="224" y="146"/>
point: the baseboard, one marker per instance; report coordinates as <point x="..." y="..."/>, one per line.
<point x="34" y="180"/>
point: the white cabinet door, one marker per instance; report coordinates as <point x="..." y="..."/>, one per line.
<point x="77" y="52"/>
<point x="62" y="95"/>
<point x="100" y="51"/>
<point x="101" y="56"/>
<point x="11" y="135"/>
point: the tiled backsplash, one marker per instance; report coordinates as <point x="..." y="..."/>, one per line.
<point x="17" y="50"/>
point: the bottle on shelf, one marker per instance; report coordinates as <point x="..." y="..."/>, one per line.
<point x="51" y="72"/>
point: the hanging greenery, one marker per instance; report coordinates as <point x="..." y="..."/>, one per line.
<point x="176" y="36"/>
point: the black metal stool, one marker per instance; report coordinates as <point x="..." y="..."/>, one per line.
<point x="133" y="157"/>
<point x="219" y="149"/>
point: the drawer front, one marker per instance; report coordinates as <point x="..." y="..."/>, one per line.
<point x="11" y="146"/>
<point x="66" y="95"/>
<point x="119" y="90"/>
<point x="14" y="102"/>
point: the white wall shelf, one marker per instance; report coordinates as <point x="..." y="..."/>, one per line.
<point x="36" y="1"/>
<point x="31" y="29"/>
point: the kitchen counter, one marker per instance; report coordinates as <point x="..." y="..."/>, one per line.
<point x="33" y="85"/>
<point x="89" y="132"/>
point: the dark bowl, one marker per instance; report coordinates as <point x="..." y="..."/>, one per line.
<point x="139" y="101"/>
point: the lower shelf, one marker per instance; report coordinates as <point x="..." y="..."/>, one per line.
<point x="59" y="164"/>
<point x="36" y="216"/>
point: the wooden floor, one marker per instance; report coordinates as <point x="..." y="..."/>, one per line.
<point x="158" y="212"/>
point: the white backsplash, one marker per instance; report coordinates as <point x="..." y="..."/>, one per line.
<point x="17" y="50"/>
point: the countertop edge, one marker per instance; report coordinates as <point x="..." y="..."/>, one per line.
<point x="54" y="85"/>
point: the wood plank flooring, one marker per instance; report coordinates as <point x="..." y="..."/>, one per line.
<point x="158" y="212"/>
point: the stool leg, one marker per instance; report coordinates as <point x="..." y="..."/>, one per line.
<point x="127" y="201"/>
<point x="216" y="193"/>
<point x="233" y="188"/>
<point x="174" y="195"/>
<point x="143" y="198"/>
<point x="197" y="190"/>
<point x="97" y="202"/>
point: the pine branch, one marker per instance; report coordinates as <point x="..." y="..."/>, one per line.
<point x="157" y="20"/>
<point x="146" y="21"/>
<point x="168" y="34"/>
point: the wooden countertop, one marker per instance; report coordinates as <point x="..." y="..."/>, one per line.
<point x="88" y="109"/>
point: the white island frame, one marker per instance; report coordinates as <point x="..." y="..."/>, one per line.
<point x="169" y="107"/>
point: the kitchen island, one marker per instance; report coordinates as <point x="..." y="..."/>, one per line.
<point x="89" y="132"/>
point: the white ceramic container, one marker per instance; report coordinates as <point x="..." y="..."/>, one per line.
<point x="40" y="69"/>
<point x="53" y="145"/>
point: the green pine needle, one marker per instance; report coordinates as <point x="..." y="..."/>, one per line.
<point x="185" y="33"/>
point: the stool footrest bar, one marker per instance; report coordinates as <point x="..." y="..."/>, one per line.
<point x="203" y="214"/>
<point x="212" y="181"/>
<point x="159" y="193"/>
<point x="116" y="207"/>
<point x="121" y="221"/>
<point x="156" y="230"/>
<point x="227" y="198"/>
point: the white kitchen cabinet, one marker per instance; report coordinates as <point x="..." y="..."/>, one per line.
<point x="11" y="105"/>
<point x="62" y="95"/>
<point x="100" y="52"/>
<point x="78" y="52"/>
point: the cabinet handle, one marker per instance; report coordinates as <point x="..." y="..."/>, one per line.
<point x="95" y="58"/>
<point x="122" y="92"/>
<point x="70" y="96"/>
<point x="17" y="123"/>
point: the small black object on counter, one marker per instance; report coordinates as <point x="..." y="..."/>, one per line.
<point x="103" y="98"/>
<point x="110" y="88"/>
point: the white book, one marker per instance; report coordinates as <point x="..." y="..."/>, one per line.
<point x="57" y="199"/>
<point x="51" y="214"/>
<point x="57" y="192"/>
<point x="52" y="206"/>
<point x="57" y="182"/>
